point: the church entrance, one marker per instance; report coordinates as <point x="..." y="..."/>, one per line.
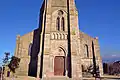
<point x="59" y="66"/>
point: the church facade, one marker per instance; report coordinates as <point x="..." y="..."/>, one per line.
<point x="57" y="47"/>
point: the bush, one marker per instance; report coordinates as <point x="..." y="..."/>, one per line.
<point x="14" y="63"/>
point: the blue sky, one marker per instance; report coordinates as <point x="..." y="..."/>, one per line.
<point x="96" y="17"/>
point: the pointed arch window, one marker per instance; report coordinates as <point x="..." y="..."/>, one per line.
<point x="60" y="21"/>
<point x="86" y="53"/>
<point x="58" y="24"/>
<point x="62" y="24"/>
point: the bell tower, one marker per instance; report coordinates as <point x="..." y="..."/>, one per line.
<point x="57" y="9"/>
<point x="59" y="31"/>
<point x="58" y="26"/>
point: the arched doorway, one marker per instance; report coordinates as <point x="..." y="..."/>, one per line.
<point x="59" y="66"/>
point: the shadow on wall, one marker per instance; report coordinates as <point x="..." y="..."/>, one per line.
<point x="34" y="54"/>
<point x="36" y="46"/>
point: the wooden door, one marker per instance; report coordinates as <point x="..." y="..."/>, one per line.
<point x="59" y="66"/>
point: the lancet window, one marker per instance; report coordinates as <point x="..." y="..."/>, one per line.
<point x="86" y="53"/>
<point x="60" y="22"/>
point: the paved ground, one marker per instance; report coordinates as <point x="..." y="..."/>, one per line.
<point x="60" y="78"/>
<point x="53" y="78"/>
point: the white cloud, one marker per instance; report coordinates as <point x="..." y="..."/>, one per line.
<point x="114" y="55"/>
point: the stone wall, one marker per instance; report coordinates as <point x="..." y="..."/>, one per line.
<point x="57" y="39"/>
<point x="87" y="61"/>
<point x="22" y="51"/>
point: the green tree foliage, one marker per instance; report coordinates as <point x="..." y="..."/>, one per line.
<point x="14" y="63"/>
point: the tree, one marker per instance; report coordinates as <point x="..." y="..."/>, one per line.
<point x="114" y="68"/>
<point x="90" y="69"/>
<point x="6" y="59"/>
<point x="14" y="63"/>
<point x="0" y="72"/>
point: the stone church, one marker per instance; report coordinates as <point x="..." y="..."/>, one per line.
<point x="57" y="47"/>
